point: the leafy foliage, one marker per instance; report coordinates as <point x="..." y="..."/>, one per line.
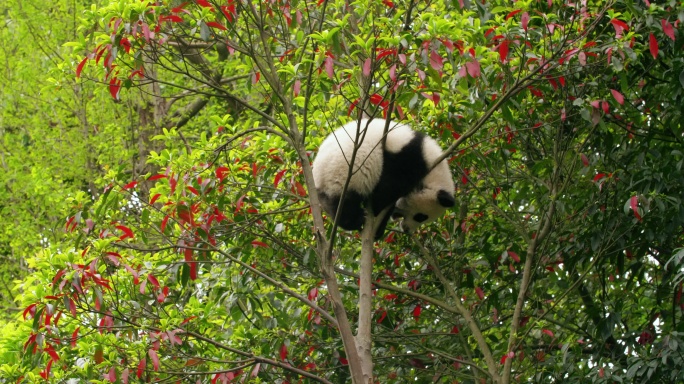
<point x="562" y="262"/>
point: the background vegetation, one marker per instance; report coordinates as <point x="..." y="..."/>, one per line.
<point x="159" y="220"/>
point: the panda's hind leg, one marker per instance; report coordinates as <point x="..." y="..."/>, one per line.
<point x="351" y="214"/>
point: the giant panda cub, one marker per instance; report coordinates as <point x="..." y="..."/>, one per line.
<point x="396" y="176"/>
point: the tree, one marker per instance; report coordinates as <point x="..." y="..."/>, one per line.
<point x="563" y="260"/>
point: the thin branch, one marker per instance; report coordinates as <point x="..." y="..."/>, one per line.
<point x="463" y="311"/>
<point x="279" y="364"/>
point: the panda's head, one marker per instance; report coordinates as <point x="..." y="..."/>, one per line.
<point x="422" y="206"/>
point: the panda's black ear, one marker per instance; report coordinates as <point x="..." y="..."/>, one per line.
<point x="445" y="198"/>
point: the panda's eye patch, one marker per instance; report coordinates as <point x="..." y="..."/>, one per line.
<point x="420" y="217"/>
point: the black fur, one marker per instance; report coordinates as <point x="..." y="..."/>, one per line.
<point x="445" y="199"/>
<point x="352" y="217"/>
<point x="420" y="217"/>
<point x="402" y="173"/>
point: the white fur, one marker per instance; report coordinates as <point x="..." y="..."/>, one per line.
<point x="330" y="174"/>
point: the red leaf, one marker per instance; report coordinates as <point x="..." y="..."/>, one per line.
<point x="509" y="355"/>
<point x="141" y="367"/>
<point x="367" y="67"/>
<point x="377" y="99"/>
<point x="162" y="295"/>
<point x="146" y="31"/>
<point x="390" y="296"/>
<point x="192" y="190"/>
<point x="653" y="45"/>
<point x="436" y="61"/>
<point x="179" y="8"/>
<point x="185" y="214"/>
<point x="434" y="97"/>
<point x="114" y="87"/>
<point x="585" y="160"/>
<point x="300" y="189"/>
<point x="72" y="307"/>
<point x="153" y="280"/>
<point x="352" y="106"/>
<point x="257" y="243"/>
<point x="503" y="50"/>
<point x="599" y="177"/>
<point x="525" y="20"/>
<point x="668" y="29"/>
<point x="385" y="52"/>
<point x="156" y="177"/>
<point x="480" y="292"/>
<point x="221" y="172"/>
<point x="110" y="376"/>
<point x="130" y="185"/>
<point x="416" y="311"/>
<point x="74" y="337"/>
<point x="238" y="205"/>
<point x="127" y="232"/>
<point x="547" y="332"/>
<point x="473" y="68"/>
<point x="514" y="256"/>
<point x="618" y="96"/>
<point x="328" y="63"/>
<point x="80" y="66"/>
<point x="30" y="309"/>
<point x="125" y="44"/>
<point x="163" y="223"/>
<point x="605" y="106"/>
<point x="513" y="13"/>
<point x="154" y="358"/>
<point x="383" y="314"/>
<point x="255" y="170"/>
<point x="216" y="24"/>
<point x="536" y="92"/>
<point x="97" y="356"/>
<point x="283" y="352"/>
<point x="171" y="18"/>
<point x="50" y="351"/>
<point x="46" y="372"/>
<point x="619" y="26"/>
<point x="192" y="264"/>
<point x="154" y="198"/>
<point x="634" y="204"/>
<point x="229" y="12"/>
<point x="313" y="293"/>
<point x="205" y="4"/>
<point x="296" y="88"/>
<point x="278" y="177"/>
